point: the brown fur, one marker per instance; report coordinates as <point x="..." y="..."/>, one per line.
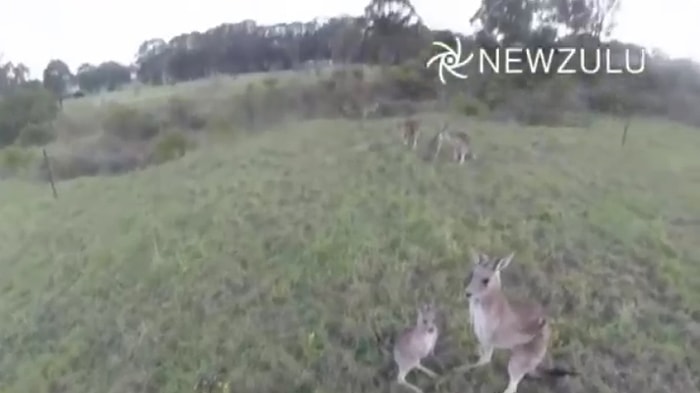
<point x="459" y="140"/>
<point x="411" y="132"/>
<point x="414" y="344"/>
<point x="500" y="322"/>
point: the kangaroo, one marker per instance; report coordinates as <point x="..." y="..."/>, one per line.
<point x="503" y="323"/>
<point x="370" y="109"/>
<point x="414" y="344"/>
<point x="460" y="141"/>
<point x="366" y="111"/>
<point x="411" y="132"/>
<point x="435" y="143"/>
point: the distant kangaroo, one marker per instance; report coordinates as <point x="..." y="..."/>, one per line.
<point x="411" y="131"/>
<point x="500" y="322"/>
<point x="460" y="141"/>
<point x="366" y="111"/>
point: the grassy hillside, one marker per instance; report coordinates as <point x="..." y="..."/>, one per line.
<point x="281" y="255"/>
<point x="206" y="88"/>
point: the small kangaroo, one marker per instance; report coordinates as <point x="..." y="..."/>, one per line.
<point x="369" y="109"/>
<point x="500" y="322"/>
<point x="411" y="132"/>
<point x="366" y="111"/>
<point x="460" y="141"/>
<point x="414" y="344"/>
<point x="462" y="146"/>
<point x="435" y="143"/>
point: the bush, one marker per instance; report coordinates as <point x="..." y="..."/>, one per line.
<point x="359" y="75"/>
<point x="74" y="165"/>
<point x="14" y="160"/>
<point x="182" y="114"/>
<point x="75" y="126"/>
<point x="129" y="123"/>
<point x="24" y="106"/>
<point x="469" y="106"/>
<point x="271" y="82"/>
<point x="550" y="103"/>
<point x="410" y="82"/>
<point x="170" y="146"/>
<point x="92" y="162"/>
<point x="36" y="134"/>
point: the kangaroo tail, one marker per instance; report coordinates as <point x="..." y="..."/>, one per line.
<point x="553" y="372"/>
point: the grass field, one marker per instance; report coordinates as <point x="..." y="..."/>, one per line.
<point x="280" y="255"/>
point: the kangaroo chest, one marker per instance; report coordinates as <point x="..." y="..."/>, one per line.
<point x="427" y="342"/>
<point x="483" y="323"/>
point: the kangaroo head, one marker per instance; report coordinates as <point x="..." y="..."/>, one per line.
<point x="441" y="134"/>
<point x="426" y="318"/>
<point x="485" y="275"/>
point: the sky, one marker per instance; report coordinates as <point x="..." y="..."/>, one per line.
<point x="79" y="31"/>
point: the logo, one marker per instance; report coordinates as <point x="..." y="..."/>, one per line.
<point x="449" y="60"/>
<point x="558" y="60"/>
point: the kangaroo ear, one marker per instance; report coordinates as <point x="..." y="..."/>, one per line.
<point x="425" y="309"/>
<point x="504" y="262"/>
<point x="476" y="257"/>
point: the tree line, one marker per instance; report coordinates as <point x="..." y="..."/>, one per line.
<point x="389" y="32"/>
<point x="392" y="34"/>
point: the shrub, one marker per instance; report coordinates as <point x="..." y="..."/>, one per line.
<point x="91" y="161"/>
<point x="14" y="160"/>
<point x="77" y="125"/>
<point x="359" y="74"/>
<point x="550" y="103"/>
<point x="170" y="146"/>
<point x="410" y="81"/>
<point x="73" y="165"/>
<point x="36" y="134"/>
<point x="271" y="82"/>
<point x="24" y="106"/>
<point x="129" y="123"/>
<point x="182" y="113"/>
<point x="469" y="106"/>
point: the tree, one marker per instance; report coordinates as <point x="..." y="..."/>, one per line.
<point x="151" y="60"/>
<point x="391" y="24"/>
<point x="591" y="17"/>
<point x="515" y="21"/>
<point x="57" y="79"/>
<point x="346" y="39"/>
<point x="25" y="105"/>
<point x="12" y="75"/>
<point x="109" y="76"/>
<point x="87" y="77"/>
<point x="20" y="74"/>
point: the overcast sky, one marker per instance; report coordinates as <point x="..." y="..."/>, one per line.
<point x="78" y="31"/>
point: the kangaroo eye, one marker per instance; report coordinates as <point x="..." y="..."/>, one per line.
<point x="425" y="321"/>
<point x="485" y="281"/>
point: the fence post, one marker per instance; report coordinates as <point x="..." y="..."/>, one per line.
<point x="624" y="131"/>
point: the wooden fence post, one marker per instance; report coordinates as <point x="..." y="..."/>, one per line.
<point x="624" y="131"/>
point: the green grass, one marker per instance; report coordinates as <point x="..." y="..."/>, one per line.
<point x="278" y="256"/>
